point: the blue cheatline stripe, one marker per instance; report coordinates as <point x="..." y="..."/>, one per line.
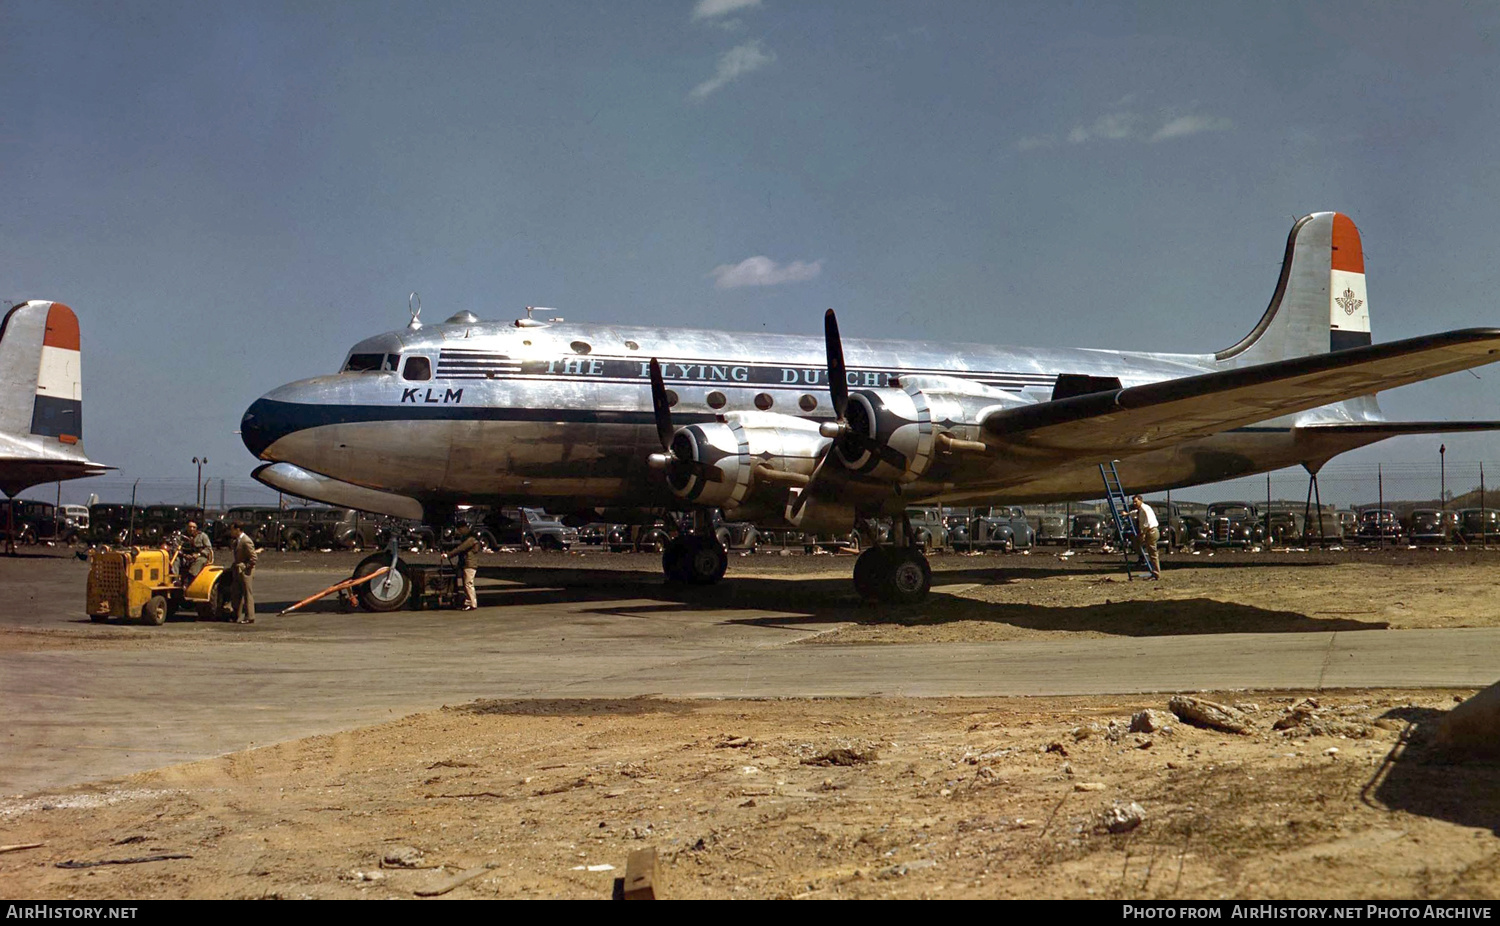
<point x="55" y="417"/>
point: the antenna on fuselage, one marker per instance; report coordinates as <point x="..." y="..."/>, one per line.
<point x="531" y="321"/>
<point x="414" y="306"/>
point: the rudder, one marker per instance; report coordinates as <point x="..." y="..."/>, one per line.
<point x="1320" y="304"/>
<point x="40" y="358"/>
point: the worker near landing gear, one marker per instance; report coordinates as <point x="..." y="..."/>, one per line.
<point x="466" y="557"/>
<point x="1147" y="534"/>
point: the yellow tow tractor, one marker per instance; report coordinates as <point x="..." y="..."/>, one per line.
<point x="144" y="583"/>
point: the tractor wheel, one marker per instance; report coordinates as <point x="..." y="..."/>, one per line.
<point x="154" y="611"/>
<point x="209" y="610"/>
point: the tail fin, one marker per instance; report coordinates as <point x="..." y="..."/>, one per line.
<point x="40" y="359"/>
<point x="1320" y="304"/>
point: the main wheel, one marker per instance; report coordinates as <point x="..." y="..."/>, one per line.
<point x="155" y="610"/>
<point x="870" y="571"/>
<point x="705" y="561"/>
<point x="385" y="593"/>
<point x="909" y="578"/>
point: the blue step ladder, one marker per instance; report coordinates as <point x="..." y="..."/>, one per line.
<point x="1119" y="509"/>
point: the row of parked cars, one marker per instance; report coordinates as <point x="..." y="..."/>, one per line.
<point x="1183" y="525"/>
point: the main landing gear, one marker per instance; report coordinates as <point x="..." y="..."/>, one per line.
<point x="696" y="558"/>
<point x="893" y="573"/>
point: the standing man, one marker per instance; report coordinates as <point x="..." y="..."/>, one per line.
<point x="199" y="552"/>
<point x="466" y="557"/>
<point x="241" y="589"/>
<point x="1147" y="534"/>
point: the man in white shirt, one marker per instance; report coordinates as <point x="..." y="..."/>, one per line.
<point x="1146" y="530"/>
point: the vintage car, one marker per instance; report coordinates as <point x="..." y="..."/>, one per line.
<point x="1479" y="525"/>
<point x="1234" y="524"/>
<point x="1090" y="530"/>
<point x="115" y="524"/>
<point x="1003" y="528"/>
<point x="1379" y="526"/>
<point x="1052" y="529"/>
<point x="1428" y="526"/>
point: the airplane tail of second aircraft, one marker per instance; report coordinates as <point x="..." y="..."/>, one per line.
<point x="40" y="360"/>
<point x="1320" y="303"/>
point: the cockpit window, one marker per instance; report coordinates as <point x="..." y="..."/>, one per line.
<point x="364" y="363"/>
<point x="418" y="369"/>
<point x="372" y="363"/>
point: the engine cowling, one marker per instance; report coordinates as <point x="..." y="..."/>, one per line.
<point x="892" y="434"/>
<point x="748" y="449"/>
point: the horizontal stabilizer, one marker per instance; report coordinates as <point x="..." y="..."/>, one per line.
<point x="1142" y="418"/>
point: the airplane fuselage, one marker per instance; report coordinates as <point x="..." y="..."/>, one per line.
<point x="561" y="415"/>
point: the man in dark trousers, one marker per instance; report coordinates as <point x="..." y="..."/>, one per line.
<point x="241" y="589"/>
<point x="466" y="557"/>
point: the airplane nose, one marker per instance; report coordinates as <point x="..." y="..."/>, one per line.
<point x="263" y="425"/>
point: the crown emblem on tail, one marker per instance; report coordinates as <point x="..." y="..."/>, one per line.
<point x="1348" y="302"/>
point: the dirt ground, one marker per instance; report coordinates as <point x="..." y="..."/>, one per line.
<point x="798" y="798"/>
<point x="879" y="797"/>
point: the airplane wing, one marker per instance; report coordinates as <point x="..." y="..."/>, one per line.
<point x="1141" y="418"/>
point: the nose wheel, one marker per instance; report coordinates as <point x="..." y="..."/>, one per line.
<point x="694" y="559"/>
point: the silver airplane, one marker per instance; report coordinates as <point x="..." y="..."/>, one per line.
<point x="41" y="423"/>
<point x="823" y="436"/>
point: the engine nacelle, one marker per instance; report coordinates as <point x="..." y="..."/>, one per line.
<point x="908" y="421"/>
<point x="749" y="449"/>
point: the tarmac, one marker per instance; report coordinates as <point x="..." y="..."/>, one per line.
<point x="128" y="698"/>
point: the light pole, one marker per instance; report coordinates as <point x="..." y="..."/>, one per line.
<point x="1443" y="480"/>
<point x="198" y="486"/>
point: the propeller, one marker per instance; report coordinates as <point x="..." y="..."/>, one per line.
<point x="854" y="440"/>
<point x="676" y="465"/>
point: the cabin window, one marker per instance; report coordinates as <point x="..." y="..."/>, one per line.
<point x="671" y="399"/>
<point x="581" y="347"/>
<point x="716" y="399"/>
<point x="364" y="363"/>
<point x="418" y="369"/>
<point x="631" y="345"/>
<point x="392" y="363"/>
<point x="764" y="401"/>
<point x="807" y="403"/>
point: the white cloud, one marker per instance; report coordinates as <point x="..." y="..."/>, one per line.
<point x="1110" y="126"/>
<point x="763" y="271"/>
<point x="1191" y="125"/>
<point x="708" y="9"/>
<point x="734" y="64"/>
<point x="1131" y="125"/>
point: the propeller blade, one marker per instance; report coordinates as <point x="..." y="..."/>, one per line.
<point x="661" y="407"/>
<point x="838" y="376"/>
<point x="806" y="492"/>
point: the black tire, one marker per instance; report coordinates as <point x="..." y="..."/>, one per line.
<point x="99" y="618"/>
<point x="293" y="542"/>
<point x="528" y="542"/>
<point x="724" y="538"/>
<point x="387" y="593"/>
<point x="209" y="610"/>
<point x="552" y="544"/>
<point x="704" y="562"/>
<point x="154" y="611"/>
<point x="487" y="541"/>
<point x="870" y="570"/>
<point x="908" y="579"/>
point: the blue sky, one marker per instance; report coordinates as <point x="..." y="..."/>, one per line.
<point x="231" y="194"/>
